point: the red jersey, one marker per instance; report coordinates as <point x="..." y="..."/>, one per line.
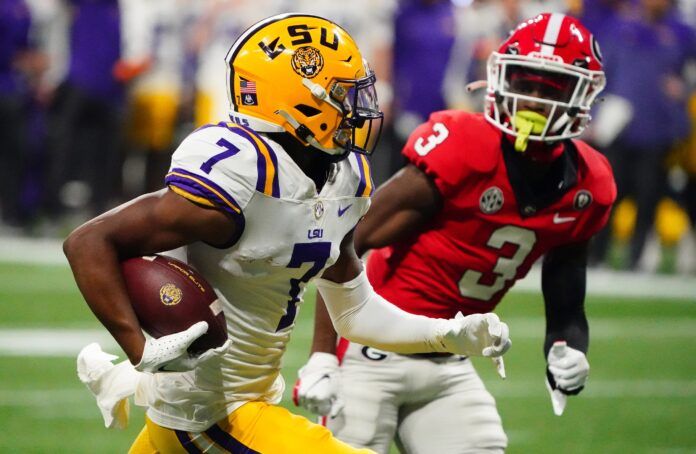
<point x="486" y="236"/>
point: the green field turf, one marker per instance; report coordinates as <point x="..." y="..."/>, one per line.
<point x="641" y="397"/>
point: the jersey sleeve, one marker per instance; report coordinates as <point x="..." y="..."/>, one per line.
<point x="362" y="184"/>
<point x="442" y="149"/>
<point x="215" y="167"/>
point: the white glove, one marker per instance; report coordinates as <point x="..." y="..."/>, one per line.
<point x="476" y="335"/>
<point x="566" y="374"/>
<point x="110" y="384"/>
<point x="316" y="388"/>
<point x="169" y="353"/>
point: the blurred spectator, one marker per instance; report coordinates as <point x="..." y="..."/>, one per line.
<point x="645" y="57"/>
<point x="219" y="23"/>
<point x="424" y="33"/>
<point x="15" y="64"/>
<point x="154" y="55"/>
<point x="481" y="27"/>
<point x="599" y="16"/>
<point x="85" y="118"/>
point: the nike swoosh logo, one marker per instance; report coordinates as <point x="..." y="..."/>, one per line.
<point x="557" y="219"/>
<point x="342" y="211"/>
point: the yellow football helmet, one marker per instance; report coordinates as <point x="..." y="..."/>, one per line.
<point x="306" y="76"/>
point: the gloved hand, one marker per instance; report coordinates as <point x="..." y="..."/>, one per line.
<point x="317" y="386"/>
<point x="169" y="353"/>
<point x="566" y="373"/>
<point x="476" y="335"/>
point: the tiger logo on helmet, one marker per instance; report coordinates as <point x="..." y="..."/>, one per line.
<point x="307" y="62"/>
<point x="304" y="75"/>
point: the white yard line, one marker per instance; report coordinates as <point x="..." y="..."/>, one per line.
<point x="40" y="397"/>
<point x="624" y="284"/>
<point x="39" y="251"/>
<point x="619" y="328"/>
<point x="68" y="342"/>
<point x="52" y="342"/>
<point x="599" y="282"/>
<point x="600" y="389"/>
<point x="510" y="389"/>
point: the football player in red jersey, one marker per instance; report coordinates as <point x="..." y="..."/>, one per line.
<point x="482" y="198"/>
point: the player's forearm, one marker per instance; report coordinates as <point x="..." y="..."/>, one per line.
<point x="563" y="283"/>
<point x="95" y="265"/>
<point x="362" y="316"/>
<point x="325" y="336"/>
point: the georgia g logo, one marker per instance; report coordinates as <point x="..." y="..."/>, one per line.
<point x="170" y="295"/>
<point x="307" y="62"/>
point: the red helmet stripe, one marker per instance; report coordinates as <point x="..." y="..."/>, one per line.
<point x="553" y="28"/>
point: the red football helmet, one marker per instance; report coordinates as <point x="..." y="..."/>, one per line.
<point x="551" y="62"/>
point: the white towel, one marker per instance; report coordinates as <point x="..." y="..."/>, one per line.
<point x="111" y="384"/>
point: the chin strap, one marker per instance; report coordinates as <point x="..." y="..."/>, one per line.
<point x="476" y="85"/>
<point x="527" y="122"/>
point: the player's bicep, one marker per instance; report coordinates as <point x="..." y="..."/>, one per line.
<point x="347" y="266"/>
<point x="161" y="221"/>
<point x="399" y="208"/>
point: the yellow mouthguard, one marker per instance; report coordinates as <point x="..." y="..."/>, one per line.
<point x="527" y="122"/>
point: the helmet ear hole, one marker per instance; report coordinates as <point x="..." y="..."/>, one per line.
<point x="307" y="111"/>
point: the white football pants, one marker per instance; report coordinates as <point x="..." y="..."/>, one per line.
<point x="430" y="405"/>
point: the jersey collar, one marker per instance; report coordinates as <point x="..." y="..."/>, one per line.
<point x="536" y="192"/>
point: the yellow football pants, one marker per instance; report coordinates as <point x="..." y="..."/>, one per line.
<point x="256" y="427"/>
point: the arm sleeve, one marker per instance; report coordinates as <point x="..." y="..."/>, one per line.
<point x="563" y="280"/>
<point x="361" y="315"/>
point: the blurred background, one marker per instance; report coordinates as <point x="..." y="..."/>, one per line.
<point x="96" y="94"/>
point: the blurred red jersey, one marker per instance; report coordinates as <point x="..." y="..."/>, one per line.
<point x="487" y="234"/>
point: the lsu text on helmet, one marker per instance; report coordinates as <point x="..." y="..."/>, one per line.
<point x="306" y="76"/>
<point x="551" y="62"/>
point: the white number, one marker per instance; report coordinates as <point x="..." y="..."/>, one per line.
<point x="505" y="268"/>
<point x="423" y="147"/>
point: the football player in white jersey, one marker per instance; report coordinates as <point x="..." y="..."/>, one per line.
<point x="263" y="204"/>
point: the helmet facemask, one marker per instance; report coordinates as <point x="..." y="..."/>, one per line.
<point x="563" y="94"/>
<point x="362" y="120"/>
<point x="360" y="124"/>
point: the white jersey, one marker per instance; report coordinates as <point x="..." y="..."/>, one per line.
<point x="289" y="234"/>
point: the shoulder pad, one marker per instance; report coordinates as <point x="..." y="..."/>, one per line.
<point x="223" y="165"/>
<point x="597" y="173"/>
<point x="452" y="145"/>
<point x="362" y="171"/>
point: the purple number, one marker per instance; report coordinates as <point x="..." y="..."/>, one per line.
<point x="230" y="150"/>
<point x="316" y="253"/>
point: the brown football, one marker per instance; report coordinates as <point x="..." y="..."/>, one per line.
<point x="169" y="296"/>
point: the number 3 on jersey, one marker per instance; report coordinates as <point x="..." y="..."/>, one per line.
<point x="425" y="146"/>
<point x="505" y="268"/>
